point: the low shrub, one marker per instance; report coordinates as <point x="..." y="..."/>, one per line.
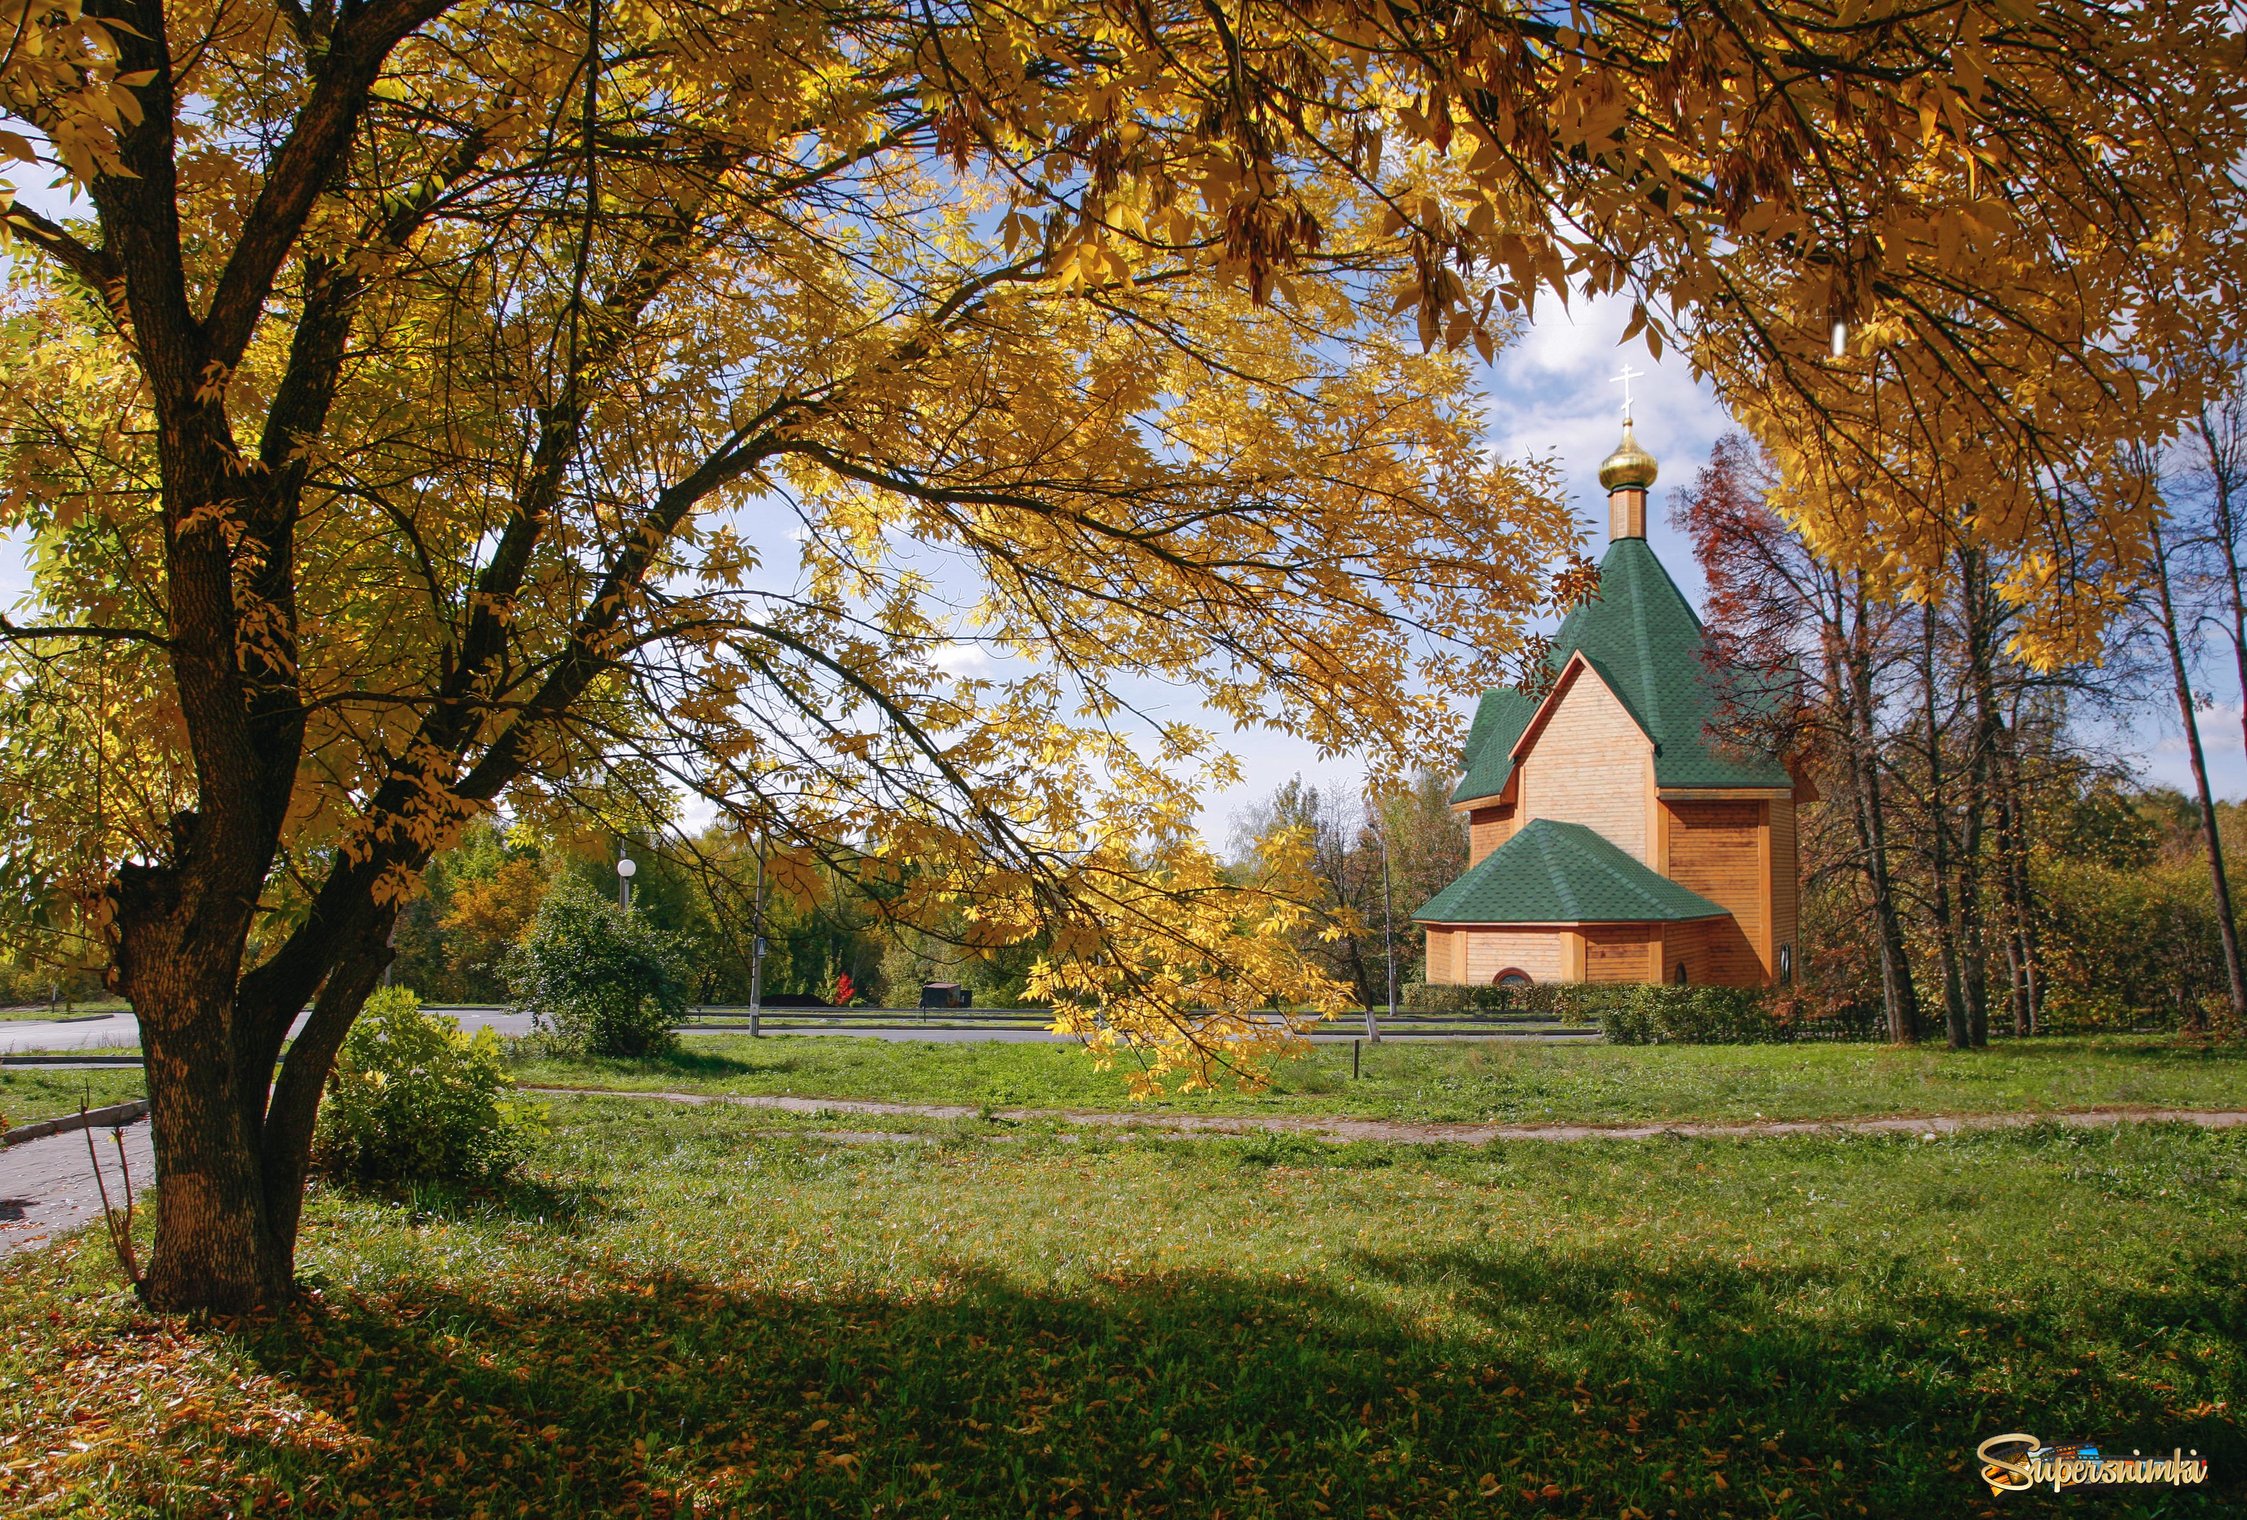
<point x="599" y="978"/>
<point x="2071" y="1011"/>
<point x="1670" y="1015"/>
<point x="1457" y="997"/>
<point x="1631" y="1013"/>
<point x="414" y="1099"/>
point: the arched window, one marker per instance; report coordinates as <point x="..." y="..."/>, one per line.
<point x="1512" y="976"/>
<point x="1678" y="976"/>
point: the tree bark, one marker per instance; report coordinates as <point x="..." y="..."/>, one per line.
<point x="2227" y="927"/>
<point x="1852" y="681"/>
<point x="2221" y="437"/>
<point x="1978" y="604"/>
<point x="1938" y="844"/>
<point x="175" y="963"/>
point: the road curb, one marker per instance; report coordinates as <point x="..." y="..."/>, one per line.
<point x="65" y="1058"/>
<point x="115" y="1116"/>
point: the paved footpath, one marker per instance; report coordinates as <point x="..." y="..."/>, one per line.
<point x="1342" y="1131"/>
<point x="47" y="1185"/>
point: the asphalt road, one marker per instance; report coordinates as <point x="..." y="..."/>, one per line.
<point x="122" y="1029"/>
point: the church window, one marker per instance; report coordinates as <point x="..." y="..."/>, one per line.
<point x="1678" y="976"/>
<point x="1786" y="965"/>
<point x="1512" y="976"/>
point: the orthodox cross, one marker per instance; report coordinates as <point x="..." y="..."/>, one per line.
<point x="1625" y="379"/>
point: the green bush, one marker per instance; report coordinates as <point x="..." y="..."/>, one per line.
<point x="1631" y="1013"/>
<point x="1669" y="1015"/>
<point x="1458" y="997"/>
<point x="414" y="1099"/>
<point x="599" y="978"/>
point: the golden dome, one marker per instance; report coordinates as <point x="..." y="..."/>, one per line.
<point x="1629" y="467"/>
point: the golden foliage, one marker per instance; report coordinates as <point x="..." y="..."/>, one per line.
<point x="1086" y="354"/>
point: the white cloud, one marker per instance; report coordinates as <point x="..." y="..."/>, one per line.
<point x="957" y="657"/>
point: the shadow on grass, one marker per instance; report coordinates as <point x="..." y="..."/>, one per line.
<point x="681" y="1060"/>
<point x="565" y="1206"/>
<point x="1581" y="1385"/>
<point x="2152" y="1049"/>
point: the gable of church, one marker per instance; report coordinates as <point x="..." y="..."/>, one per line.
<point x="1585" y="759"/>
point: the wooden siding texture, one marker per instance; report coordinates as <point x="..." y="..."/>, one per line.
<point x="1716" y="849"/>
<point x="1591" y="765"/>
<point x="1786" y="879"/>
<point x="1490" y="951"/>
<point x="1438" y="944"/>
<point x="1616" y="953"/>
<point x="1725" y="957"/>
<point x="1488" y="828"/>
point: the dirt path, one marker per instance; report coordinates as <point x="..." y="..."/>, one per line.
<point x="1342" y="1131"/>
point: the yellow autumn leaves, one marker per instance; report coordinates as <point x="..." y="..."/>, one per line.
<point x="883" y="421"/>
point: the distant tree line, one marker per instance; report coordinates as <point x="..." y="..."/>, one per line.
<point x="457" y="941"/>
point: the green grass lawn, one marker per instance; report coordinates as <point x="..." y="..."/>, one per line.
<point x="1474" y="1081"/>
<point x="44" y="1092"/>
<point x="40" y="1012"/>
<point x="689" y="1314"/>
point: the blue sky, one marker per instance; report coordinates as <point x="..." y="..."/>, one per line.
<point x="1553" y="393"/>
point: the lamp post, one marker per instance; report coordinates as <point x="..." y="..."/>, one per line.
<point x="1388" y="922"/>
<point x="757" y="944"/>
<point x="626" y="869"/>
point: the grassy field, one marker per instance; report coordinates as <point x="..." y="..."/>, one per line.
<point x="44" y="1092"/>
<point x="40" y="1012"/>
<point x="1474" y="1081"/>
<point x="689" y="1315"/>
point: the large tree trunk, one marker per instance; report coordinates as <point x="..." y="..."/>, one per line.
<point x="232" y="1139"/>
<point x="2227" y="927"/>
<point x="177" y="953"/>
<point x="213" y="1235"/>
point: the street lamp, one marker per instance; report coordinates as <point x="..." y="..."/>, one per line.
<point x="1388" y="922"/>
<point x="757" y="944"/>
<point x="626" y="869"/>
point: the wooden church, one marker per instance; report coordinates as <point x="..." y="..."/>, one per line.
<point x="1612" y="836"/>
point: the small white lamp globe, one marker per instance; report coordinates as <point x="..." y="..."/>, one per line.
<point x="627" y="867"/>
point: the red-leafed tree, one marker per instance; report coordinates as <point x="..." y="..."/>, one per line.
<point x="1792" y="628"/>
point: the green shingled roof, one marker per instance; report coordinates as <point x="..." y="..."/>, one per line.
<point x="1505" y="711"/>
<point x="1562" y="873"/>
<point x="1642" y="636"/>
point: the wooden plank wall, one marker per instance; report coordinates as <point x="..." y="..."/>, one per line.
<point x="1688" y="943"/>
<point x="1725" y="957"/>
<point x="1440" y="970"/>
<point x="1592" y="765"/>
<point x="1490" y="951"/>
<point x="1488" y="828"/>
<point x="1615" y="952"/>
<point x="1786" y="880"/>
<point x="1716" y="849"/>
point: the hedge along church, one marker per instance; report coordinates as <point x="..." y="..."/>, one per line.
<point x="1612" y="836"/>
